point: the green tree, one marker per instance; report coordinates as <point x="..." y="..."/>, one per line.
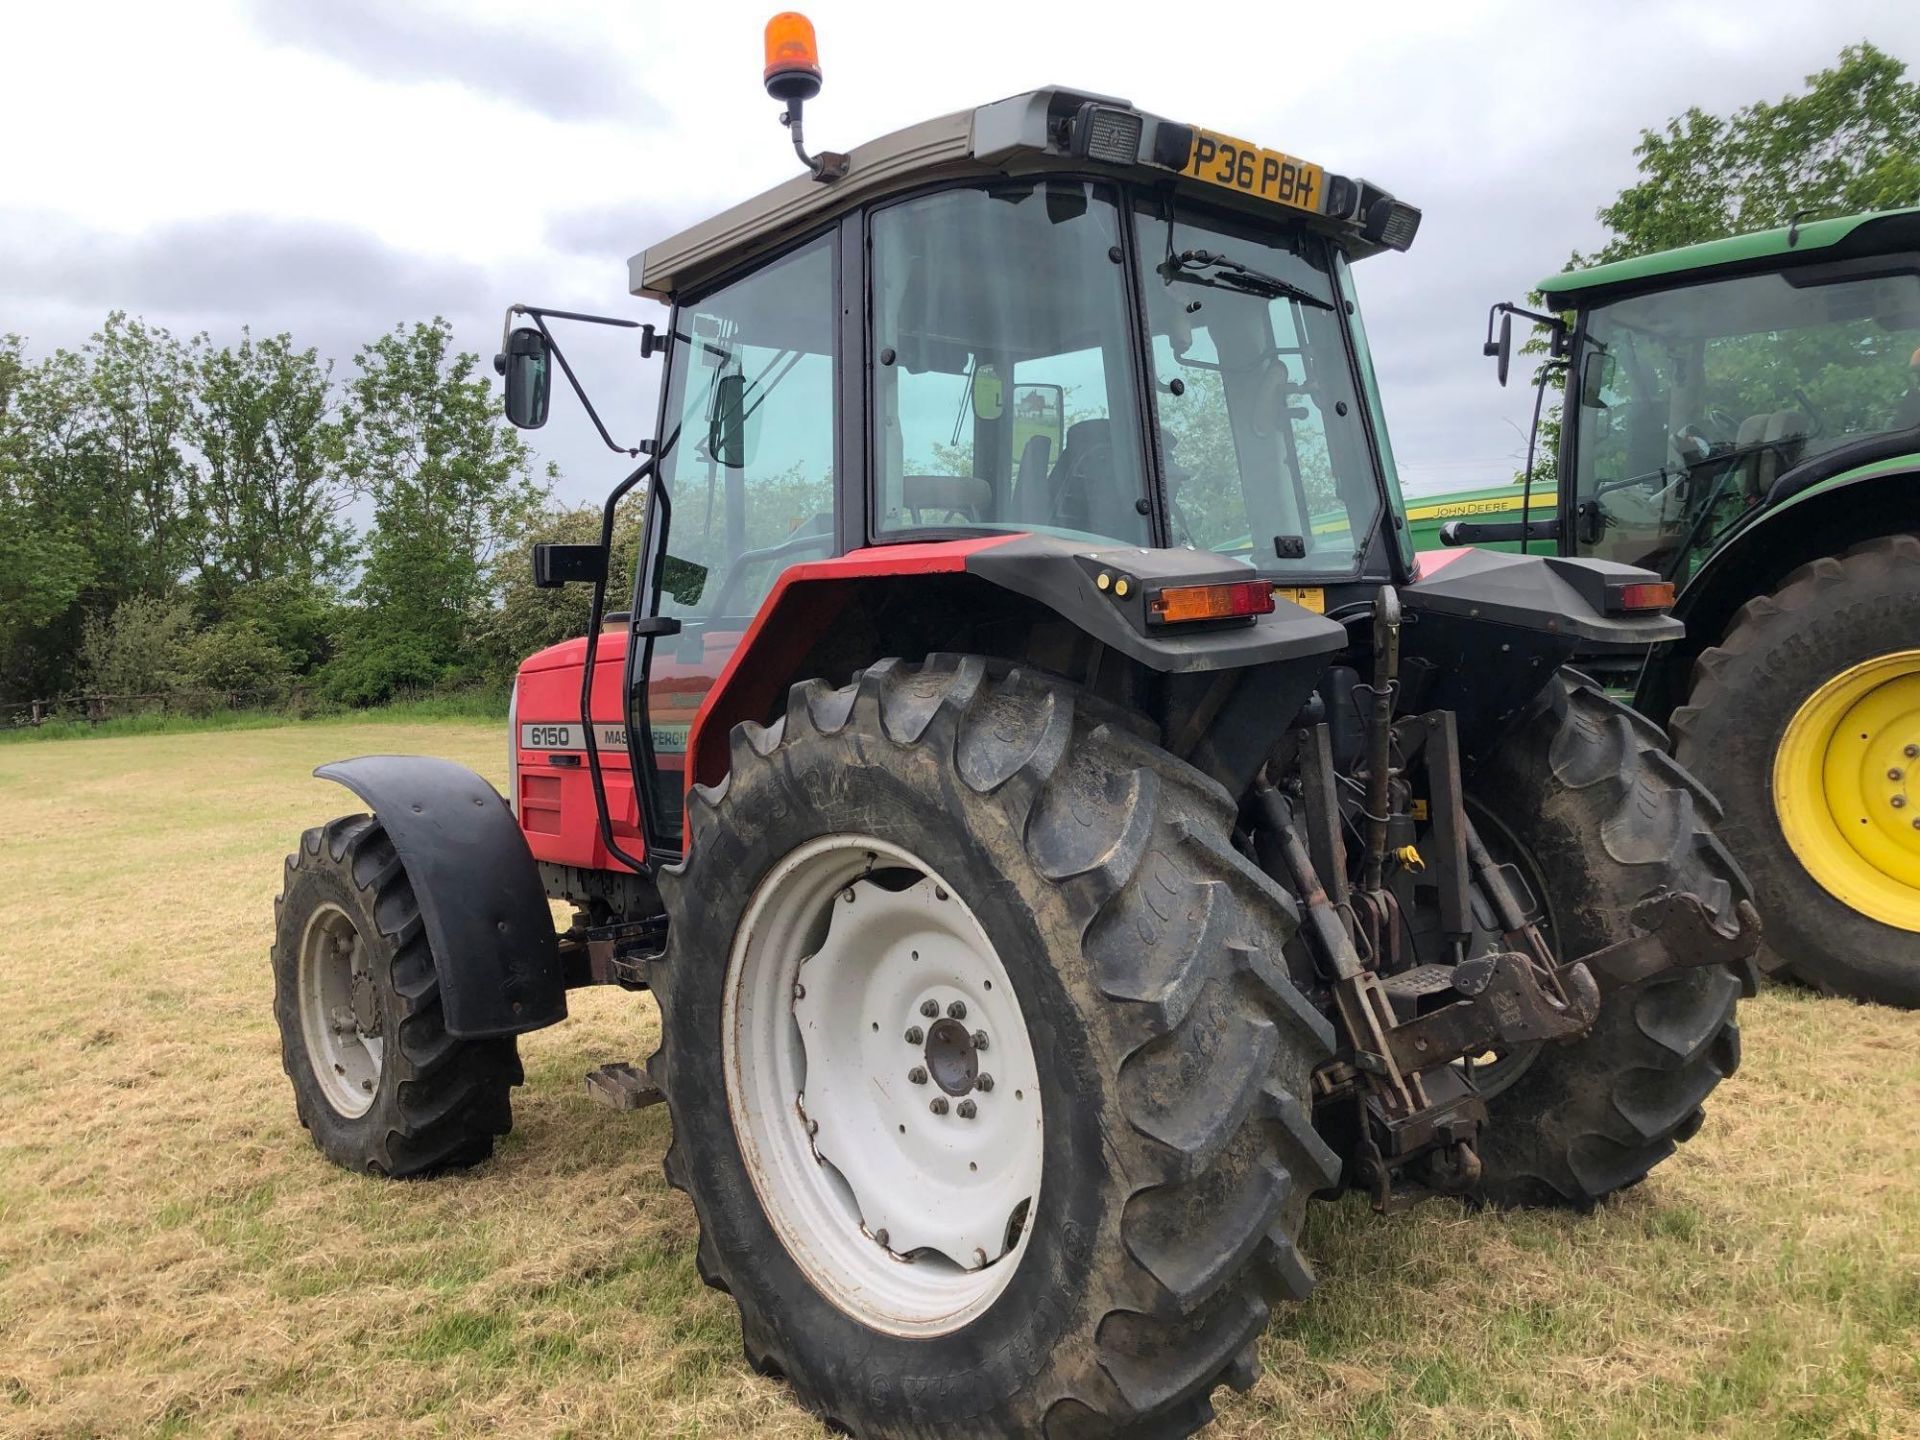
<point x="139" y="649"/>
<point x="448" y="481"/>
<point x="527" y="618"/>
<point x="43" y="565"/>
<point x="1849" y="142"/>
<point x="138" y="409"/>
<point x="272" y="495"/>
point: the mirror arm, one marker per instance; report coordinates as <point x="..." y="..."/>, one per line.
<point x="1555" y="325"/>
<point x="580" y="391"/>
<point x="539" y="315"/>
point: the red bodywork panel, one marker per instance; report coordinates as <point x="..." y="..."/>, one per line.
<point x="694" y="700"/>
<point x="1430" y="562"/>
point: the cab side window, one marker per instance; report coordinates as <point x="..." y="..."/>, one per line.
<point x="749" y="447"/>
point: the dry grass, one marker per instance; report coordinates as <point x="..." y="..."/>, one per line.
<point x="175" y="1257"/>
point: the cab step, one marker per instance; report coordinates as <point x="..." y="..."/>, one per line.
<point x="620" y="1086"/>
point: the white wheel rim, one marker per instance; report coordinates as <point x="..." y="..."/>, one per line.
<point x="909" y="1219"/>
<point x="340" y="1010"/>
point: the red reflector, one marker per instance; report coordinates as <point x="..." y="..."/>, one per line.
<point x="1648" y="595"/>
<point x="1177" y="604"/>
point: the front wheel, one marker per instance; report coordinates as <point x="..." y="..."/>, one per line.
<point x="376" y="1078"/>
<point x="987" y="1085"/>
<point x="1584" y="797"/>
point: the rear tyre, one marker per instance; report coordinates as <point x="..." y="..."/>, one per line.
<point x="1805" y="720"/>
<point x="1019" y="852"/>
<point x="376" y="1078"/>
<point x="1603" y="818"/>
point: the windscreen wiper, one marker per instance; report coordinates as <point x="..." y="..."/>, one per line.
<point x="1210" y="267"/>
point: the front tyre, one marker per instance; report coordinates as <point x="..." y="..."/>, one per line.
<point x="376" y="1078"/>
<point x="986" y="1083"/>
<point x="1584" y="797"/>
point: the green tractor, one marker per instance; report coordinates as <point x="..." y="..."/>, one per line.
<point x="1743" y="417"/>
<point x="1063" y="825"/>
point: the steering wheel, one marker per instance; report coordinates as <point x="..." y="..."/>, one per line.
<point x="1724" y="426"/>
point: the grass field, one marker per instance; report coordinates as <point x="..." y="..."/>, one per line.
<point x="176" y="1258"/>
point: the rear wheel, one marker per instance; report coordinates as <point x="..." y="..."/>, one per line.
<point x="1805" y="720"/>
<point x="376" y="1078"/>
<point x="1602" y="819"/>
<point x="986" y="1083"/>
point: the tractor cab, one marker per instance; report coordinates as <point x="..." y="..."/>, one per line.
<point x="1706" y="386"/>
<point x="1055" y="317"/>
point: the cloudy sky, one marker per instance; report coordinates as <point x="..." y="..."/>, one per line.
<point x="333" y="167"/>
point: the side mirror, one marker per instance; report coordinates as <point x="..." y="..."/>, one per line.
<point x="1596" y="379"/>
<point x="528" y="367"/>
<point x="1501" y="349"/>
<point x="557" y="565"/>
<point x="727" y="437"/>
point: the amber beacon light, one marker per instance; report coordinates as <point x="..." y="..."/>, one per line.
<point x="793" y="57"/>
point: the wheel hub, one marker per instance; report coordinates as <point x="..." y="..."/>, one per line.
<point x="1847" y="787"/>
<point x="342" y="1017"/>
<point x="952" y="1060"/>
<point x="897" y="1169"/>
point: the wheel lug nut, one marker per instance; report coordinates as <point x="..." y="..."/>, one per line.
<point x="930" y="1008"/>
<point x="1896" y="773"/>
<point x="958" y="1010"/>
<point x="881" y="1237"/>
<point x="917" y="1075"/>
<point x="939" y="1105"/>
<point x="915" y="1035"/>
<point x="1912" y="752"/>
<point x="1899" y="802"/>
<point x="979" y="1039"/>
<point x="967" y="1110"/>
<point x="985" y="1082"/>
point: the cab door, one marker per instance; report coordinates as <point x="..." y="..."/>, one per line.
<point x="747" y="446"/>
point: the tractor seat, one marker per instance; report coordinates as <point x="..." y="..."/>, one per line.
<point x="1783" y="433"/>
<point x="1081" y="479"/>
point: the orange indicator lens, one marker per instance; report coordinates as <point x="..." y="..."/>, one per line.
<point x="1179" y="604"/>
<point x="1648" y="595"/>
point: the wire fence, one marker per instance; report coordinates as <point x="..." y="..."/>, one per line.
<point x="294" y="701"/>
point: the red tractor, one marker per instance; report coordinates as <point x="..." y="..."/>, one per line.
<point x="1062" y="826"/>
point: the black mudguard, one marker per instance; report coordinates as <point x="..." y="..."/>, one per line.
<point x="479" y="890"/>
<point x="1489" y="630"/>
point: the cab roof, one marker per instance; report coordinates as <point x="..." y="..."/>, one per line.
<point x="1041" y="131"/>
<point x="1843" y="237"/>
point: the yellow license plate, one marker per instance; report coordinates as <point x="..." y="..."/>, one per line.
<point x="1266" y="174"/>
<point x="1307" y="597"/>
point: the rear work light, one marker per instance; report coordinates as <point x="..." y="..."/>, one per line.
<point x="1644" y="595"/>
<point x="1236" y="600"/>
<point x="1104" y="132"/>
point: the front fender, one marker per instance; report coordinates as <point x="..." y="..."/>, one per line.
<point x="479" y="891"/>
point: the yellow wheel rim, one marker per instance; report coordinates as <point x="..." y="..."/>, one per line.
<point x="1846" y="786"/>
